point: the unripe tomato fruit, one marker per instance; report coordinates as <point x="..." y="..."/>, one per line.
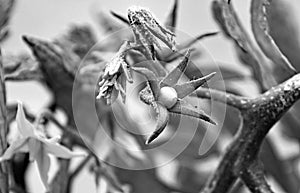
<point x="168" y="96"/>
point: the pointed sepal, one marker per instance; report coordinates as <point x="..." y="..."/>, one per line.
<point x="187" y="88"/>
<point x="171" y="19"/>
<point x="120" y="17"/>
<point x="186" y="109"/>
<point x="173" y="77"/>
<point x="162" y="121"/>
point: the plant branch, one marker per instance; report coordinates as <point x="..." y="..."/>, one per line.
<point x="77" y="170"/>
<point x="59" y="183"/>
<point x="3" y="130"/>
<point x="75" y="137"/>
<point x="257" y="119"/>
<point x="254" y="179"/>
<point x="233" y="100"/>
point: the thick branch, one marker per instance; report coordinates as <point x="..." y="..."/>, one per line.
<point x="257" y="119"/>
<point x="254" y="179"/>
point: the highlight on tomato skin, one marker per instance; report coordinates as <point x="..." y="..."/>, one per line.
<point x="168" y="96"/>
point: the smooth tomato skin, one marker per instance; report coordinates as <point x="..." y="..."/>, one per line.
<point x="168" y="96"/>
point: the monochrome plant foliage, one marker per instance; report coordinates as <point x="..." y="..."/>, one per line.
<point x="72" y="62"/>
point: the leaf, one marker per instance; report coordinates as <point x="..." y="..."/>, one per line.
<point x="102" y="144"/>
<point x="34" y="146"/>
<point x="107" y="23"/>
<point x="79" y="39"/>
<point x="282" y="26"/>
<point x="173" y="77"/>
<point x="6" y="7"/>
<point x="192" y="41"/>
<point x="120" y="17"/>
<point x="54" y="148"/>
<point x="229" y="22"/>
<point x="129" y="143"/>
<point x="15" y="147"/>
<point x="24" y="75"/>
<point x="277" y="167"/>
<point x="52" y="63"/>
<point x="171" y="19"/>
<point x="168" y="57"/>
<point x="43" y="164"/>
<point x="184" y="109"/>
<point x="10" y="65"/>
<point x="147" y="50"/>
<point x="21" y="67"/>
<point x="187" y="88"/>
<point x="260" y="29"/>
<point x="24" y="126"/>
<point x="153" y="65"/>
<point x="162" y="121"/>
<point x="111" y="178"/>
<point x="224" y="71"/>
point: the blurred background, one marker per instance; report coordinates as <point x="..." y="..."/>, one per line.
<point x="49" y="18"/>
